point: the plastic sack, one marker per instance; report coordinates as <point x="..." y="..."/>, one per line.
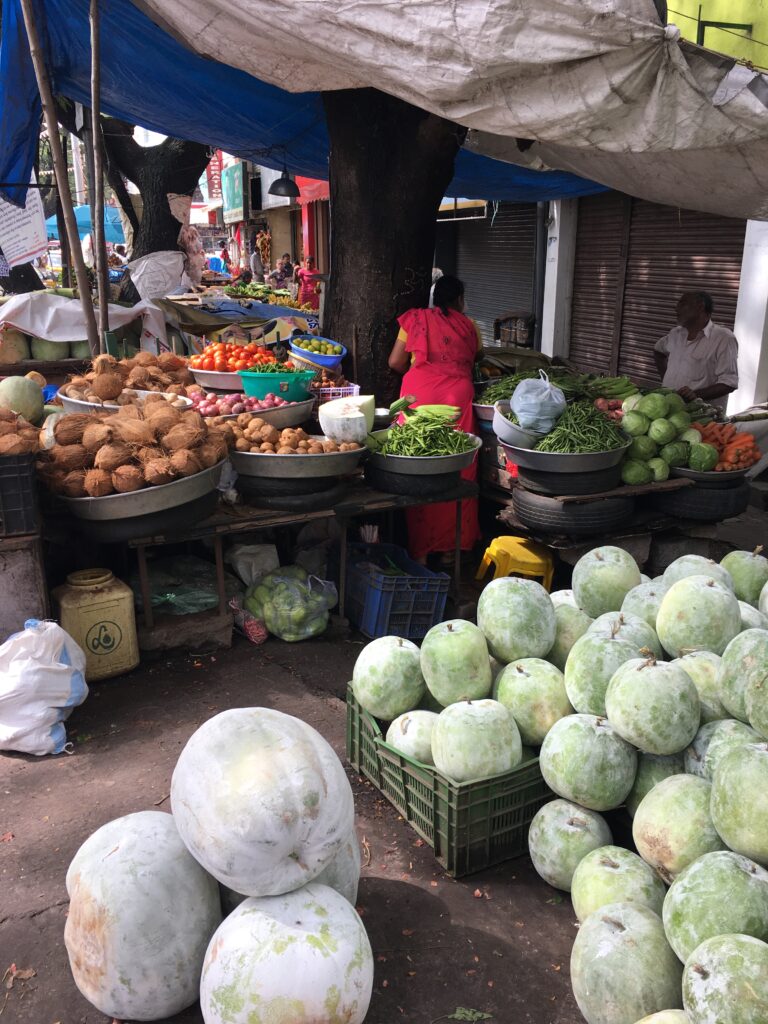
<point x="184" y="585"/>
<point x="42" y="677"/>
<point x="157" y="274"/>
<point x="293" y="605"/>
<point x="537" y="403"/>
<point x="251" y="628"/>
<point x="252" y="561"/>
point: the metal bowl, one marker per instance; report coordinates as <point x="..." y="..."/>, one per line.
<point x="75" y="405"/>
<point x="711" y="480"/>
<point x="283" y="416"/>
<point x="483" y="412"/>
<point x="424" y="465"/>
<point x="213" y="381"/>
<point x="509" y="432"/>
<point x="148" y="500"/>
<point x="551" y="462"/>
<point x="288" y="467"/>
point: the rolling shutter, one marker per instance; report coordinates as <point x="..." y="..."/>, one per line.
<point x="672" y="251"/>
<point x="601" y="239"/>
<point x="495" y="260"/>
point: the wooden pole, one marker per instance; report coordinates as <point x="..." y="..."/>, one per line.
<point x="66" y="263"/>
<point x="99" y="243"/>
<point x="60" y="170"/>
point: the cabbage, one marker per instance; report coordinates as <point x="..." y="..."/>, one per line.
<point x="692" y="436"/>
<point x="680" y="420"/>
<point x="654" y="406"/>
<point x="630" y="403"/>
<point x="14" y="346"/>
<point x="634" y="423"/>
<point x="49" y="350"/>
<point x="636" y="472"/>
<point x="659" y="469"/>
<point x="703" y="457"/>
<point x="662" y="431"/>
<point x="675" y="454"/>
<point x="674" y="403"/>
<point x="642" y="448"/>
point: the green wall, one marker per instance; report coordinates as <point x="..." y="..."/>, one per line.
<point x="745" y="46"/>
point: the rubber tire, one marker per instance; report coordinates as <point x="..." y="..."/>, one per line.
<point x="411" y="486"/>
<point x="280" y="487"/>
<point x="704" y="504"/>
<point x="570" y="483"/>
<point x="301" y="502"/>
<point x="548" y="515"/>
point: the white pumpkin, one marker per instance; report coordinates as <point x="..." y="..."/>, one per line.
<point x="300" y="958"/>
<point x="476" y="740"/>
<point x="261" y="800"/>
<point x="347" y="419"/>
<point x="141" y="914"/>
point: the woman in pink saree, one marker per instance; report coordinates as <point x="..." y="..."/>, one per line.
<point x="436" y="350"/>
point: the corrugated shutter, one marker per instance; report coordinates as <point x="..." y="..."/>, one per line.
<point x="600" y="243"/>
<point x="672" y="251"/>
<point x="495" y="258"/>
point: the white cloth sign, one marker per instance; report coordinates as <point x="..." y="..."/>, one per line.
<point x="22" y="231"/>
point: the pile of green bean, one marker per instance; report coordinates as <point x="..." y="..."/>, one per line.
<point x="582" y="428"/>
<point x="418" y="436"/>
<point x="572" y="385"/>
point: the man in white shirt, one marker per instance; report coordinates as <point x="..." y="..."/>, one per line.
<point x="698" y="359"/>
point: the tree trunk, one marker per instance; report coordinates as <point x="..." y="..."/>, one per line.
<point x="390" y="164"/>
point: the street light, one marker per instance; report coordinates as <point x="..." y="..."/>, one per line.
<point x="284" y="186"/>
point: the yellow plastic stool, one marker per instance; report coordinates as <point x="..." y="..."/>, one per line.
<point x="519" y="556"/>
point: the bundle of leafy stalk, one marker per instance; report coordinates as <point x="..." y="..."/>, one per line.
<point x="428" y="430"/>
<point x="573" y="385"/>
<point x="582" y="428"/>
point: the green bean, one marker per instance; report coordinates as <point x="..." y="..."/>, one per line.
<point x="426" y="437"/>
<point x="582" y="428"/>
<point x="573" y="385"/>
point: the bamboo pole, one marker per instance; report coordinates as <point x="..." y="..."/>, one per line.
<point x="60" y="170"/>
<point x="99" y="242"/>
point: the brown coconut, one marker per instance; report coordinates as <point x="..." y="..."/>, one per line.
<point x="185" y="462"/>
<point x="107" y="386"/>
<point x="145" y="455"/>
<point x="69" y="456"/>
<point x="208" y="454"/>
<point x="193" y="419"/>
<point x="128" y="478"/>
<point x="169" y="361"/>
<point x="7" y="427"/>
<point x="73" y="484"/>
<point x="131" y="411"/>
<point x="183" y="435"/>
<point x="138" y="432"/>
<point x="138" y="377"/>
<point x="159" y="471"/>
<point x="154" y="399"/>
<point x="70" y="428"/>
<point x="98" y="483"/>
<point x="162" y="417"/>
<point x="110" y="456"/>
<point x="145" y="359"/>
<point x="12" y="444"/>
<point x="97" y="434"/>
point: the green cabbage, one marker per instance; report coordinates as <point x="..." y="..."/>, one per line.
<point x="642" y="448"/>
<point x="703" y="457"/>
<point x="675" y="454"/>
<point x="654" y="406"/>
<point x="662" y="431"/>
<point x="635" y="472"/>
<point x="659" y="469"/>
<point x="635" y="424"/>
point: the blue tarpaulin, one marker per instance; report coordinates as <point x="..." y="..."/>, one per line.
<point x="150" y="79"/>
<point x="113" y="228"/>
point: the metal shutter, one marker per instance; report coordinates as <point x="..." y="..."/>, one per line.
<point x="601" y="233"/>
<point x="495" y="260"/>
<point x="672" y="251"/>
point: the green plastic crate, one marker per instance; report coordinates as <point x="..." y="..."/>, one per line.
<point x="470" y="826"/>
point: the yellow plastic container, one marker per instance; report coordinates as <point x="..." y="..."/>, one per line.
<point x="96" y="609"/>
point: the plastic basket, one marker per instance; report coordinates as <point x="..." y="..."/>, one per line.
<point x="18" y="495"/>
<point x="293" y="387"/>
<point x="470" y="825"/>
<point x="330" y="362"/>
<point x="324" y="395"/>
<point x="380" y="605"/>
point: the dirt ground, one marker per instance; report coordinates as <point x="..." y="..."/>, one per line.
<point x="497" y="942"/>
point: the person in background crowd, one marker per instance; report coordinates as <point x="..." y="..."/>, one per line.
<point x="244" y="277"/>
<point x="698" y="359"/>
<point x="280" y="277"/>
<point x="224" y="256"/>
<point x="288" y="264"/>
<point x="121" y="254"/>
<point x="307" y="279"/>
<point x="256" y="264"/>
<point x="436" y="351"/>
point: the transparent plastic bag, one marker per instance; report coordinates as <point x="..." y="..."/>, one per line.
<point x="537" y="403"/>
<point x="251" y="628"/>
<point x="184" y="585"/>
<point x="293" y="605"/>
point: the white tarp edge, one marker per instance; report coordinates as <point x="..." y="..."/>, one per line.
<point x="596" y="83"/>
<point x="56" y="318"/>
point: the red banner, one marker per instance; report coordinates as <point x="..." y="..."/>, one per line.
<point x="312" y="189"/>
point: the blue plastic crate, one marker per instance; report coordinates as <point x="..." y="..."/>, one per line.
<point x="380" y="605"/>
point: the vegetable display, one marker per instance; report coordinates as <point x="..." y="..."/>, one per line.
<point x="425" y="431"/>
<point x="225" y="357"/>
<point x="234" y="403"/>
<point x="573" y="385"/>
<point x="733" y="449"/>
<point x="292" y="605"/>
<point x="108" y="380"/>
<point x="582" y="428"/>
<point x="253" y="434"/>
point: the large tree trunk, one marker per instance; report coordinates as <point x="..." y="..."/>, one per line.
<point x="390" y="164"/>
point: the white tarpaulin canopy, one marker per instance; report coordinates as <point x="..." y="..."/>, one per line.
<point x="600" y="86"/>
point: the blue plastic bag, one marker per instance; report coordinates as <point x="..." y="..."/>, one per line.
<point x="538" y="404"/>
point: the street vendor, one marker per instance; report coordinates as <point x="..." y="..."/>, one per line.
<point x="698" y="358"/>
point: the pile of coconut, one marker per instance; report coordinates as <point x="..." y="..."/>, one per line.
<point x="96" y="454"/>
<point x="17" y="435"/>
<point x="111" y="382"/>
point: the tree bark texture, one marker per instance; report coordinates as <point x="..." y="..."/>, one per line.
<point x="390" y="164"/>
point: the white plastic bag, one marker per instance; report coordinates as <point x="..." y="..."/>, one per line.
<point x="252" y="561"/>
<point x="42" y="677"/>
<point x="537" y="403"/>
<point x="157" y="274"/>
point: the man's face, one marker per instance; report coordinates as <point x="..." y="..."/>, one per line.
<point x="689" y="309"/>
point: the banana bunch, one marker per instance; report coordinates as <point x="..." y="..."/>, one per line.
<point x="612" y="387"/>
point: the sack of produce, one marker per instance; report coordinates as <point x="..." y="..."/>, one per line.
<point x="293" y="605"/>
<point x="538" y="404"/>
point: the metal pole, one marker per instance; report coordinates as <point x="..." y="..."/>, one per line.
<point x="99" y="243"/>
<point x="60" y="170"/>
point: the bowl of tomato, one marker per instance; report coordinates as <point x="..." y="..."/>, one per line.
<point x="217" y="366"/>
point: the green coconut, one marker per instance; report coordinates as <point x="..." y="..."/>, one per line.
<point x="726" y="981"/>
<point x="627" y="626"/>
<point x="475" y="740"/>
<point x="534" y="691"/>
<point x="740" y="801"/>
<point x="560" y="836"/>
<point x="612" y="874"/>
<point x="703" y="668"/>
<point x="672" y="826"/>
<point x="697" y="565"/>
<point x="387" y="679"/>
<point x="644" y="602"/>
<point x="602" y="578"/>
<point x="589" y="668"/>
<point x="651" y="769"/>
<point x="698" y="614"/>
<point x="517" y="618"/>
<point x="714" y="741"/>
<point x="570" y="624"/>
<point x="721" y="893"/>
<point x="622" y="967"/>
<point x="745" y="661"/>
<point x="749" y="572"/>
<point x="583" y="759"/>
<point x="653" y="705"/>
<point x="455" y="662"/>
